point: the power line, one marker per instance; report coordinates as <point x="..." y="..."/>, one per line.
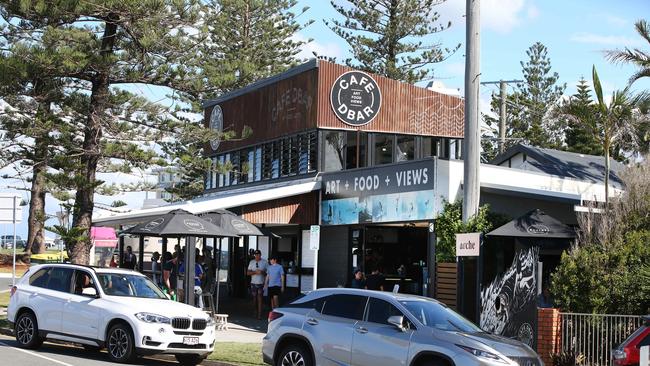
<point x="503" y="84"/>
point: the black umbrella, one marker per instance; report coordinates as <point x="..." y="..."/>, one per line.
<point x="179" y="223"/>
<point x="232" y="223"/>
<point x="535" y="224"/>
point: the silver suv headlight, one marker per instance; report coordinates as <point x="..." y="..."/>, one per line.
<point x="483" y="354"/>
<point x="153" y="318"/>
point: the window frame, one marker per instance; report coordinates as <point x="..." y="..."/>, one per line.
<point x="329" y="298"/>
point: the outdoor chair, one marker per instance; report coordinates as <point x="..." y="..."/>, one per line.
<point x="209" y="296"/>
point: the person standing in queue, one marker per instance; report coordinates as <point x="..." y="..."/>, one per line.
<point x="257" y="269"/>
<point x="375" y="281"/>
<point x="359" y="280"/>
<point x="275" y="281"/>
<point x="130" y="260"/>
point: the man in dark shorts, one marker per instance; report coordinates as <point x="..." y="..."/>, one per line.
<point x="275" y="281"/>
<point x="257" y="270"/>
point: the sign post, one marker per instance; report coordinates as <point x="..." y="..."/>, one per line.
<point x="469" y="245"/>
<point x="314" y="244"/>
<point x="11" y="212"/>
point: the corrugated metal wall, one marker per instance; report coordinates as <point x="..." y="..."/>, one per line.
<point x="405" y="108"/>
<point x="301" y="209"/>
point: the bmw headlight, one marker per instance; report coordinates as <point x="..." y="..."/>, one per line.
<point x="153" y="318"/>
<point x="483" y="354"/>
<point x="211" y="322"/>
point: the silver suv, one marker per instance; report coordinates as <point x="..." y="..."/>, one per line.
<point x="360" y="327"/>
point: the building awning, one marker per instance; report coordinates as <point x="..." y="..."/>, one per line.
<point x="219" y="200"/>
<point x="535" y="224"/>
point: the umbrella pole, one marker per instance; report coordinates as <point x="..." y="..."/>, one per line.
<point x="216" y="306"/>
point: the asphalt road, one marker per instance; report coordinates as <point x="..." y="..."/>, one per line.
<point x="51" y="354"/>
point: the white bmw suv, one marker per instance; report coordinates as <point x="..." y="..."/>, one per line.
<point x="117" y="309"/>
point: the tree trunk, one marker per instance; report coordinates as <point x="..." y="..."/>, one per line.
<point x="36" y="221"/>
<point x="79" y="248"/>
<point x="606" y="176"/>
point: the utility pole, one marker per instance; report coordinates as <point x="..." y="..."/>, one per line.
<point x="472" y="136"/>
<point x="502" y="110"/>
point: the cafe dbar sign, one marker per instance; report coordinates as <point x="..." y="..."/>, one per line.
<point x="355" y="98"/>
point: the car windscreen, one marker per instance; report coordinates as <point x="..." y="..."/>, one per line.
<point x="129" y="285"/>
<point x="435" y="315"/>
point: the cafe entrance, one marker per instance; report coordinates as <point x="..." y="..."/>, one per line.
<point x="399" y="252"/>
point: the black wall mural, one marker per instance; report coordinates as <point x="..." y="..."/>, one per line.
<point x="508" y="304"/>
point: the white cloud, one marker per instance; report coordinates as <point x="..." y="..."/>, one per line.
<point x="533" y="11"/>
<point x="330" y="49"/>
<point x="591" y="38"/>
<point x="454" y="69"/>
<point x="501" y="16"/>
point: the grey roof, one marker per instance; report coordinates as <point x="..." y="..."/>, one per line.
<point x="565" y="164"/>
<point x="311" y="64"/>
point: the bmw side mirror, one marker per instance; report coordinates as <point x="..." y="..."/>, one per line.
<point x="398" y="322"/>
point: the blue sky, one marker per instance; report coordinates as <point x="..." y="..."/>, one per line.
<point x="575" y="31"/>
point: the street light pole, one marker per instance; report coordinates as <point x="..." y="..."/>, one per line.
<point x="13" y="273"/>
<point x="472" y="136"/>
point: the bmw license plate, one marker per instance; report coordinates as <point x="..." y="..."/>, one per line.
<point x="191" y="341"/>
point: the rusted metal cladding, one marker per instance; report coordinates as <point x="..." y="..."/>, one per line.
<point x="275" y="110"/>
<point x="404" y="109"/>
<point x="301" y="209"/>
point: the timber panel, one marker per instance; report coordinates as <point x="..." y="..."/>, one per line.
<point x="405" y="108"/>
<point x="301" y="209"/>
<point x="446" y="284"/>
<point x="284" y="107"/>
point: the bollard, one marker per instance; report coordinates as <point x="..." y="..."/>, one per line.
<point x="644" y="356"/>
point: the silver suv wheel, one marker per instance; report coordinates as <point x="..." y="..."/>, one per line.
<point x="294" y="355"/>
<point x="293" y="358"/>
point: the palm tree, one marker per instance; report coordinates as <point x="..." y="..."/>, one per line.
<point x="635" y="56"/>
<point x="614" y="121"/>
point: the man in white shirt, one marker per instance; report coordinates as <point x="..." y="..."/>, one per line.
<point x="257" y="270"/>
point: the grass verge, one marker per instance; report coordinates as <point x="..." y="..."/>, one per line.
<point x="244" y="354"/>
<point x="4" y="299"/>
<point x="4" y="323"/>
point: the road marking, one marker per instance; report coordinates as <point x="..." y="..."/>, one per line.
<point x="37" y="355"/>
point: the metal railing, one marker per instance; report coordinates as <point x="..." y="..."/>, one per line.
<point x="593" y="336"/>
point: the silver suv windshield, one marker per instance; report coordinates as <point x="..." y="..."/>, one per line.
<point x="435" y="315"/>
<point x="129" y="285"/>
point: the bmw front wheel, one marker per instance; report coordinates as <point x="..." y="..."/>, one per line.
<point x="120" y="344"/>
<point x="26" y="331"/>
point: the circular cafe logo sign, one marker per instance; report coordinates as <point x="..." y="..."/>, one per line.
<point x="153" y="224"/>
<point x="355" y="98"/>
<point x="216" y="125"/>
<point x="193" y="225"/>
<point x="538" y="229"/>
<point x="241" y="226"/>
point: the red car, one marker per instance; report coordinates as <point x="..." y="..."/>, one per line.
<point x="628" y="352"/>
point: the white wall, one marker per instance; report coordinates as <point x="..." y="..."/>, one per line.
<point x="449" y="178"/>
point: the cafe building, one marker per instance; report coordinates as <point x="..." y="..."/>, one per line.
<point x="368" y="159"/>
<point x="370" y="143"/>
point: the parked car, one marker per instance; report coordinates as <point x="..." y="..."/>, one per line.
<point x="361" y="327"/>
<point x="627" y="353"/>
<point x="117" y="309"/>
<point x="7" y="242"/>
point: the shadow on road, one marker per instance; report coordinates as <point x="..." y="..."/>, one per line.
<point x="49" y="349"/>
